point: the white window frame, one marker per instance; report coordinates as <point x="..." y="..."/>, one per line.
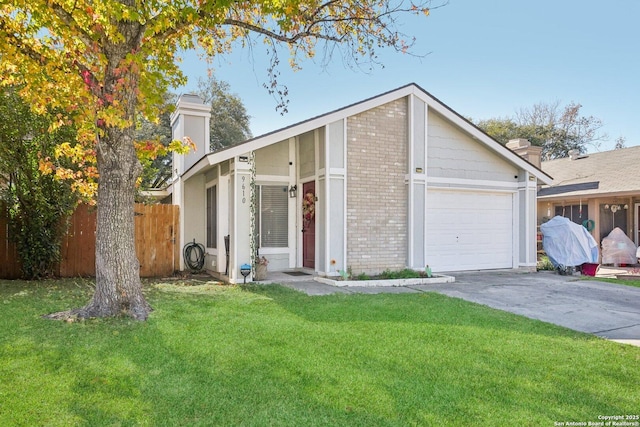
<point x="282" y="225"/>
<point x="211" y="227"/>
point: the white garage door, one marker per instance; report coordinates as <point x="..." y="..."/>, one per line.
<point x="469" y="230"/>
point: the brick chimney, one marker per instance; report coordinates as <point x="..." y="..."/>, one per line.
<point x="524" y="149"/>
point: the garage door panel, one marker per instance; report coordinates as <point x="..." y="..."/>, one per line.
<point x="469" y="231"/>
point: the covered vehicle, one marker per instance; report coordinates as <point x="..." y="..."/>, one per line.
<point x="617" y="248"/>
<point x="568" y="244"/>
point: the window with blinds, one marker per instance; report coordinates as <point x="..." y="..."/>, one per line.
<point x="273" y="217"/>
<point x="212" y="217"/>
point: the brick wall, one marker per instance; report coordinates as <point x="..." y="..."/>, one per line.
<point x="377" y="194"/>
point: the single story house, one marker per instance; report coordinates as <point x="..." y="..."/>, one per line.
<point x="599" y="190"/>
<point x="397" y="180"/>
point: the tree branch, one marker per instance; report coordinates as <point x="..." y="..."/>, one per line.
<point x="70" y="21"/>
<point x="280" y="37"/>
<point x="21" y="44"/>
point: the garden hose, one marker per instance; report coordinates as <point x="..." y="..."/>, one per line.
<point x="194" y="255"/>
<point x="588" y="224"/>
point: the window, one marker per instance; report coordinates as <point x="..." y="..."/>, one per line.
<point x="272" y="220"/>
<point x="612" y="216"/>
<point x="576" y="213"/>
<point x="212" y="217"/>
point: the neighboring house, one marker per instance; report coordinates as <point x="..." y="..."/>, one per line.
<point x="601" y="190"/>
<point x="398" y="180"/>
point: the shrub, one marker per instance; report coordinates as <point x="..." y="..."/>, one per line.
<point x="37" y="203"/>
<point x="545" y="264"/>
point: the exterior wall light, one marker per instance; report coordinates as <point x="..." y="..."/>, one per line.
<point x="292" y="191"/>
<point x="245" y="270"/>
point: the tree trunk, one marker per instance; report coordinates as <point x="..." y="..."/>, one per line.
<point x="118" y="287"/>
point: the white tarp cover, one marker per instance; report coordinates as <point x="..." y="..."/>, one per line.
<point x="567" y="243"/>
<point x="617" y="248"/>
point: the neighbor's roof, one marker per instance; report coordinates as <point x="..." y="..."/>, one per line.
<point x="613" y="172"/>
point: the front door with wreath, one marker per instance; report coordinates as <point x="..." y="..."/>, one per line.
<point x="309" y="224"/>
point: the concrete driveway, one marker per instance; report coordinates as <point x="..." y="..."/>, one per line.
<point x="603" y="309"/>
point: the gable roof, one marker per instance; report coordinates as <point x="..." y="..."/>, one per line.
<point x="607" y="173"/>
<point x="360" y="107"/>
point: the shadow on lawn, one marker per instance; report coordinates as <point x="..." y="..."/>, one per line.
<point x="205" y="357"/>
<point x="196" y="365"/>
<point x="431" y="308"/>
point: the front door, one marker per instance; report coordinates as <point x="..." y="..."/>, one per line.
<point x="309" y="224"/>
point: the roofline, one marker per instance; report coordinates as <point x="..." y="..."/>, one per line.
<point x="600" y="195"/>
<point x="157" y="193"/>
<point x="307" y="125"/>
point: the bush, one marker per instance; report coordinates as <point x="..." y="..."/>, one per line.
<point x="545" y="264"/>
<point x="38" y="203"/>
<point x="406" y="273"/>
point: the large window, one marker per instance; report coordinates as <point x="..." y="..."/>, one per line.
<point x="273" y="216"/>
<point x="212" y="217"/>
<point x="576" y="213"/>
<point x="612" y="216"/>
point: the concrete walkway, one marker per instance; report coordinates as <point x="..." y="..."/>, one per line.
<point x="603" y="309"/>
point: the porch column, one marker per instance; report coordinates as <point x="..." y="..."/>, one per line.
<point x="527" y="208"/>
<point x="332" y="193"/>
<point x="417" y="184"/>
<point x="240" y="218"/>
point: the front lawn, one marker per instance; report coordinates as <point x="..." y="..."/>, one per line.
<point x="628" y="282"/>
<point x="267" y="355"/>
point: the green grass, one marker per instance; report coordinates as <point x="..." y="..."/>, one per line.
<point x="635" y="283"/>
<point x="406" y="273"/>
<point x="255" y="356"/>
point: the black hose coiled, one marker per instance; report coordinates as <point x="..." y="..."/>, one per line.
<point x="193" y="254"/>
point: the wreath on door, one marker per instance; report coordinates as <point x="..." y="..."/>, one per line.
<point x="308" y="207"/>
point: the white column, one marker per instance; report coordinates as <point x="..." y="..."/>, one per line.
<point x="190" y="119"/>
<point x="416" y="184"/>
<point x="334" y="196"/>
<point x="240" y="224"/>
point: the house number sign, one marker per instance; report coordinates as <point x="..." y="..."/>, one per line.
<point x="244" y="185"/>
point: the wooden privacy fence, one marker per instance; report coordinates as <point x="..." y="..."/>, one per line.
<point x="156" y="228"/>
<point x="9" y="266"/>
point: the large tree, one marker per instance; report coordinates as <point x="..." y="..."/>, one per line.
<point x="108" y="60"/>
<point x="156" y="163"/>
<point x="229" y="122"/>
<point x="557" y="129"/>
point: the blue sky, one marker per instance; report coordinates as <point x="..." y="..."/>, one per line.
<point x="485" y="59"/>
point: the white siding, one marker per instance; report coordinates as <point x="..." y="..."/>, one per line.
<point x="273" y="160"/>
<point x="195" y="210"/>
<point x="455" y="154"/>
<point x="307" y="147"/>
